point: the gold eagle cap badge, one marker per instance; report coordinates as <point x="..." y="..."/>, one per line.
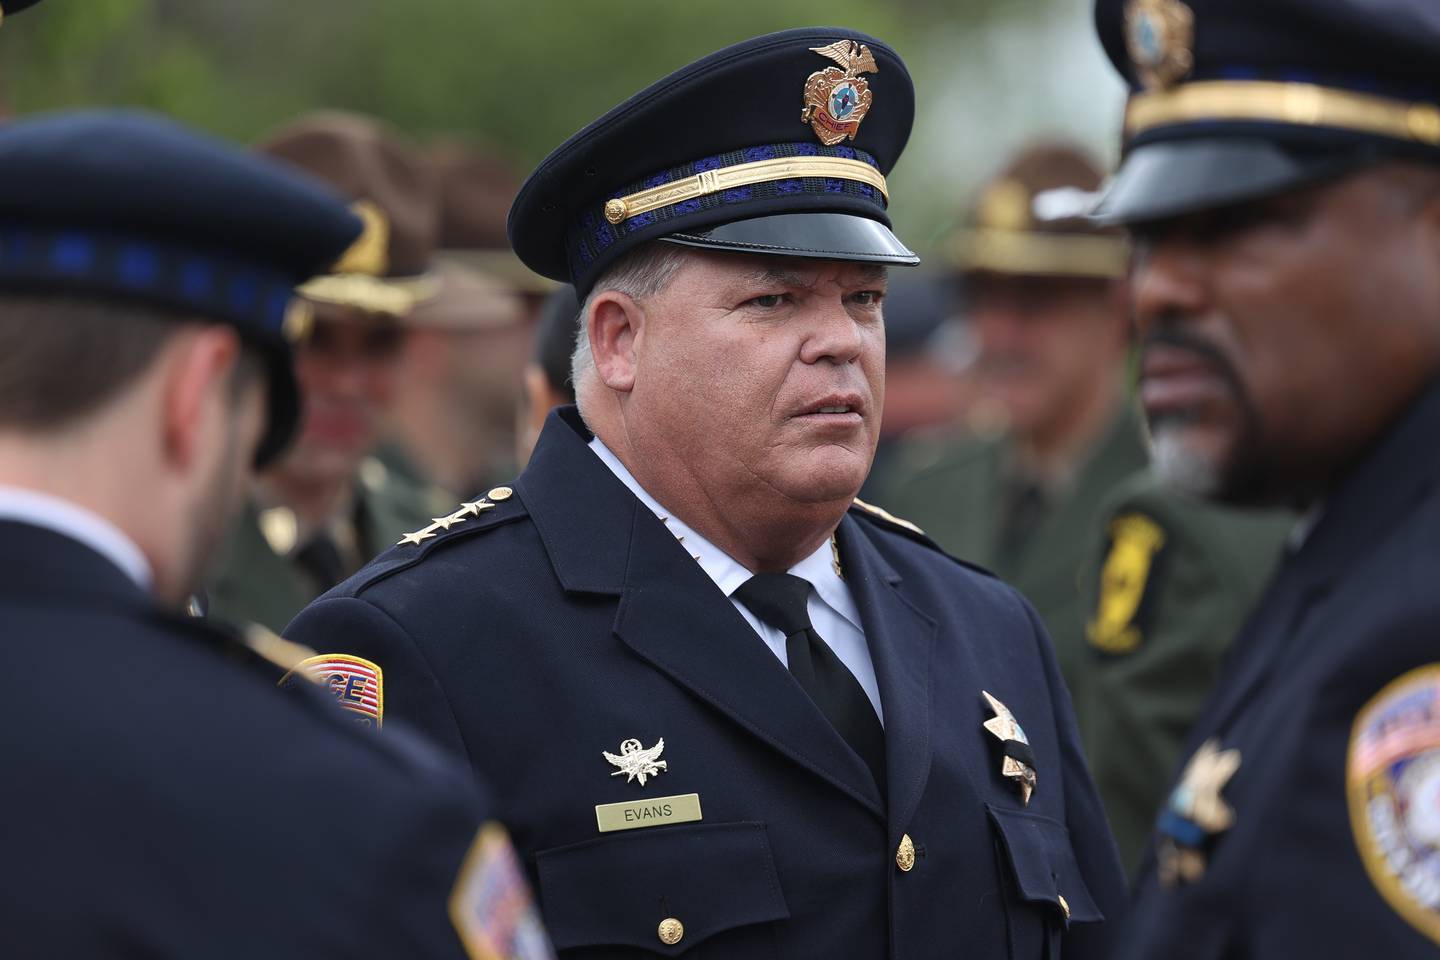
<point x="837" y="100"/>
<point x="1160" y="38"/>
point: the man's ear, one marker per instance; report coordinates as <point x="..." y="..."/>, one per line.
<point x="617" y="323"/>
<point x="198" y="363"/>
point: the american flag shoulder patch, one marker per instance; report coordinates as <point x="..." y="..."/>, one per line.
<point x="491" y="906"/>
<point x="357" y="684"/>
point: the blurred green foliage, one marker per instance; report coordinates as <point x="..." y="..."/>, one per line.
<point x="522" y="74"/>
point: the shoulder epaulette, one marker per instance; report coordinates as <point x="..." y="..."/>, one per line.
<point x="487" y="512"/>
<point x="886" y="520"/>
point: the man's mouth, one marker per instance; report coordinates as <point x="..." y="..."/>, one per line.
<point x="1176" y="382"/>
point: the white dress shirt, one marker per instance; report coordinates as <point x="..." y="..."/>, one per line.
<point x="79" y="524"/>
<point x="831" y="607"/>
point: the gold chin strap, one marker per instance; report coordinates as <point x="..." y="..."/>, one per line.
<point x="1299" y="104"/>
<point x="1047" y="254"/>
<point x="620" y="209"/>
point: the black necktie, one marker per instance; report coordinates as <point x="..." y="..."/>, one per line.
<point x="779" y="599"/>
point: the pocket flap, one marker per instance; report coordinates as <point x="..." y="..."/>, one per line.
<point x="617" y="890"/>
<point x="1044" y="863"/>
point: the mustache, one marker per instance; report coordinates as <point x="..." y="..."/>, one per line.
<point x="1211" y="354"/>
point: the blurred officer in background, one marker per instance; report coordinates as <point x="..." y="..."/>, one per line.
<point x="328" y="506"/>
<point x="1048" y="312"/>
<point x="475" y="448"/>
<point x="546" y="381"/>
<point x="1282" y="183"/>
<point x="1170" y="579"/>
<point x="161" y="797"/>
<point x="733" y="711"/>
<point x="447" y="381"/>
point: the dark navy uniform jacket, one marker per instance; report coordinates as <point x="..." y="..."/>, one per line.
<point x="1354" y="609"/>
<point x="542" y="633"/>
<point x="159" y="797"/>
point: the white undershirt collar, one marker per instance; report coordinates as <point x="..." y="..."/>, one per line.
<point x="80" y="524"/>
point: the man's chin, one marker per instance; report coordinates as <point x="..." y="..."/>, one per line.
<point x="1181" y="463"/>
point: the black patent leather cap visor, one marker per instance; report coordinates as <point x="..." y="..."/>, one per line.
<point x="1158" y="181"/>
<point x="819" y="236"/>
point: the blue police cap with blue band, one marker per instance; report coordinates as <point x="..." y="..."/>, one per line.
<point x="128" y="206"/>
<point x="777" y="145"/>
<point x="1235" y="99"/>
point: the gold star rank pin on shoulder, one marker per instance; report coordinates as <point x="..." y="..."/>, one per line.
<point x="465" y="512"/>
<point x="1019" y="760"/>
<point x="837" y="100"/>
<point x="637" y="762"/>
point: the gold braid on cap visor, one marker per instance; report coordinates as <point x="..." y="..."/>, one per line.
<point x="620" y="209"/>
<point x="1298" y="104"/>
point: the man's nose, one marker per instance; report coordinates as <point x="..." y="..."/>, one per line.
<point x="835" y="335"/>
<point x="1168" y="281"/>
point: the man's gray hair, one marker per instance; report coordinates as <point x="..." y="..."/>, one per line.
<point x="641" y="273"/>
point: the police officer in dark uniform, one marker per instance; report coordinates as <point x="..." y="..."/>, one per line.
<point x="1282" y="182"/>
<point x="729" y="711"/>
<point x="161" y="797"/>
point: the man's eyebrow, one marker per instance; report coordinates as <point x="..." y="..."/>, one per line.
<point x="780" y="276"/>
<point x="868" y="273"/>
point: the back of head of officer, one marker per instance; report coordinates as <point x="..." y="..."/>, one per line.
<point x="732" y="350"/>
<point x="146" y="276"/>
<point x="1282" y="184"/>
<point x="1042" y="292"/>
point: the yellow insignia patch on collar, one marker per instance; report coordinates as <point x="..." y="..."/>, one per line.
<point x="357" y="684"/>
<point x="1135" y="540"/>
<point x="884" y="514"/>
<point x="491" y="906"/>
<point x="1392" y="781"/>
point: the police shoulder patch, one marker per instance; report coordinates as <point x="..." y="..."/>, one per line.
<point x="1135" y="542"/>
<point x="357" y="684"/>
<point x="490" y="905"/>
<point x="1392" y="780"/>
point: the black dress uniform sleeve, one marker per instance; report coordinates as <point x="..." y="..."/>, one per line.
<point x="352" y="625"/>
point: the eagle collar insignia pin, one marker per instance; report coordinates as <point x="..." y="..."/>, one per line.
<point x="837" y="100"/>
<point x="1194" y="813"/>
<point x="1019" y="761"/>
<point x="637" y="762"/>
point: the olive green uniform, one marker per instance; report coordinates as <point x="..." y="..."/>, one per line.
<point x="1167" y="588"/>
<point x="961" y="493"/>
<point x="259" y="579"/>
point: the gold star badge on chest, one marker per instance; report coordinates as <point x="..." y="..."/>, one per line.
<point x="1019" y="760"/>
<point x="1195" y="813"/>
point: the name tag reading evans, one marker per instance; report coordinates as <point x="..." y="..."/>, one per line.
<point x="655" y="812"/>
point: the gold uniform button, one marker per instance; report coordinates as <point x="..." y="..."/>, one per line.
<point x="905" y="856"/>
<point x="1063" y="905"/>
<point x="499" y="494"/>
<point x="671" y="931"/>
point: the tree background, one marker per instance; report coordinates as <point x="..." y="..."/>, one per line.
<point x="522" y="75"/>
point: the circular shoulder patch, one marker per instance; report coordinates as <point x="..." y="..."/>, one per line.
<point x="1392" y="777"/>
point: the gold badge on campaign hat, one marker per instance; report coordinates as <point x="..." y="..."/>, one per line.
<point x="1160" y="38"/>
<point x="837" y="100"/>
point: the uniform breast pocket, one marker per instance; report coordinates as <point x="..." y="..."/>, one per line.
<point x="704" y="890"/>
<point x="1047" y="893"/>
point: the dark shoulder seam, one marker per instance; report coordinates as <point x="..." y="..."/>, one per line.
<point x="885" y="520"/>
